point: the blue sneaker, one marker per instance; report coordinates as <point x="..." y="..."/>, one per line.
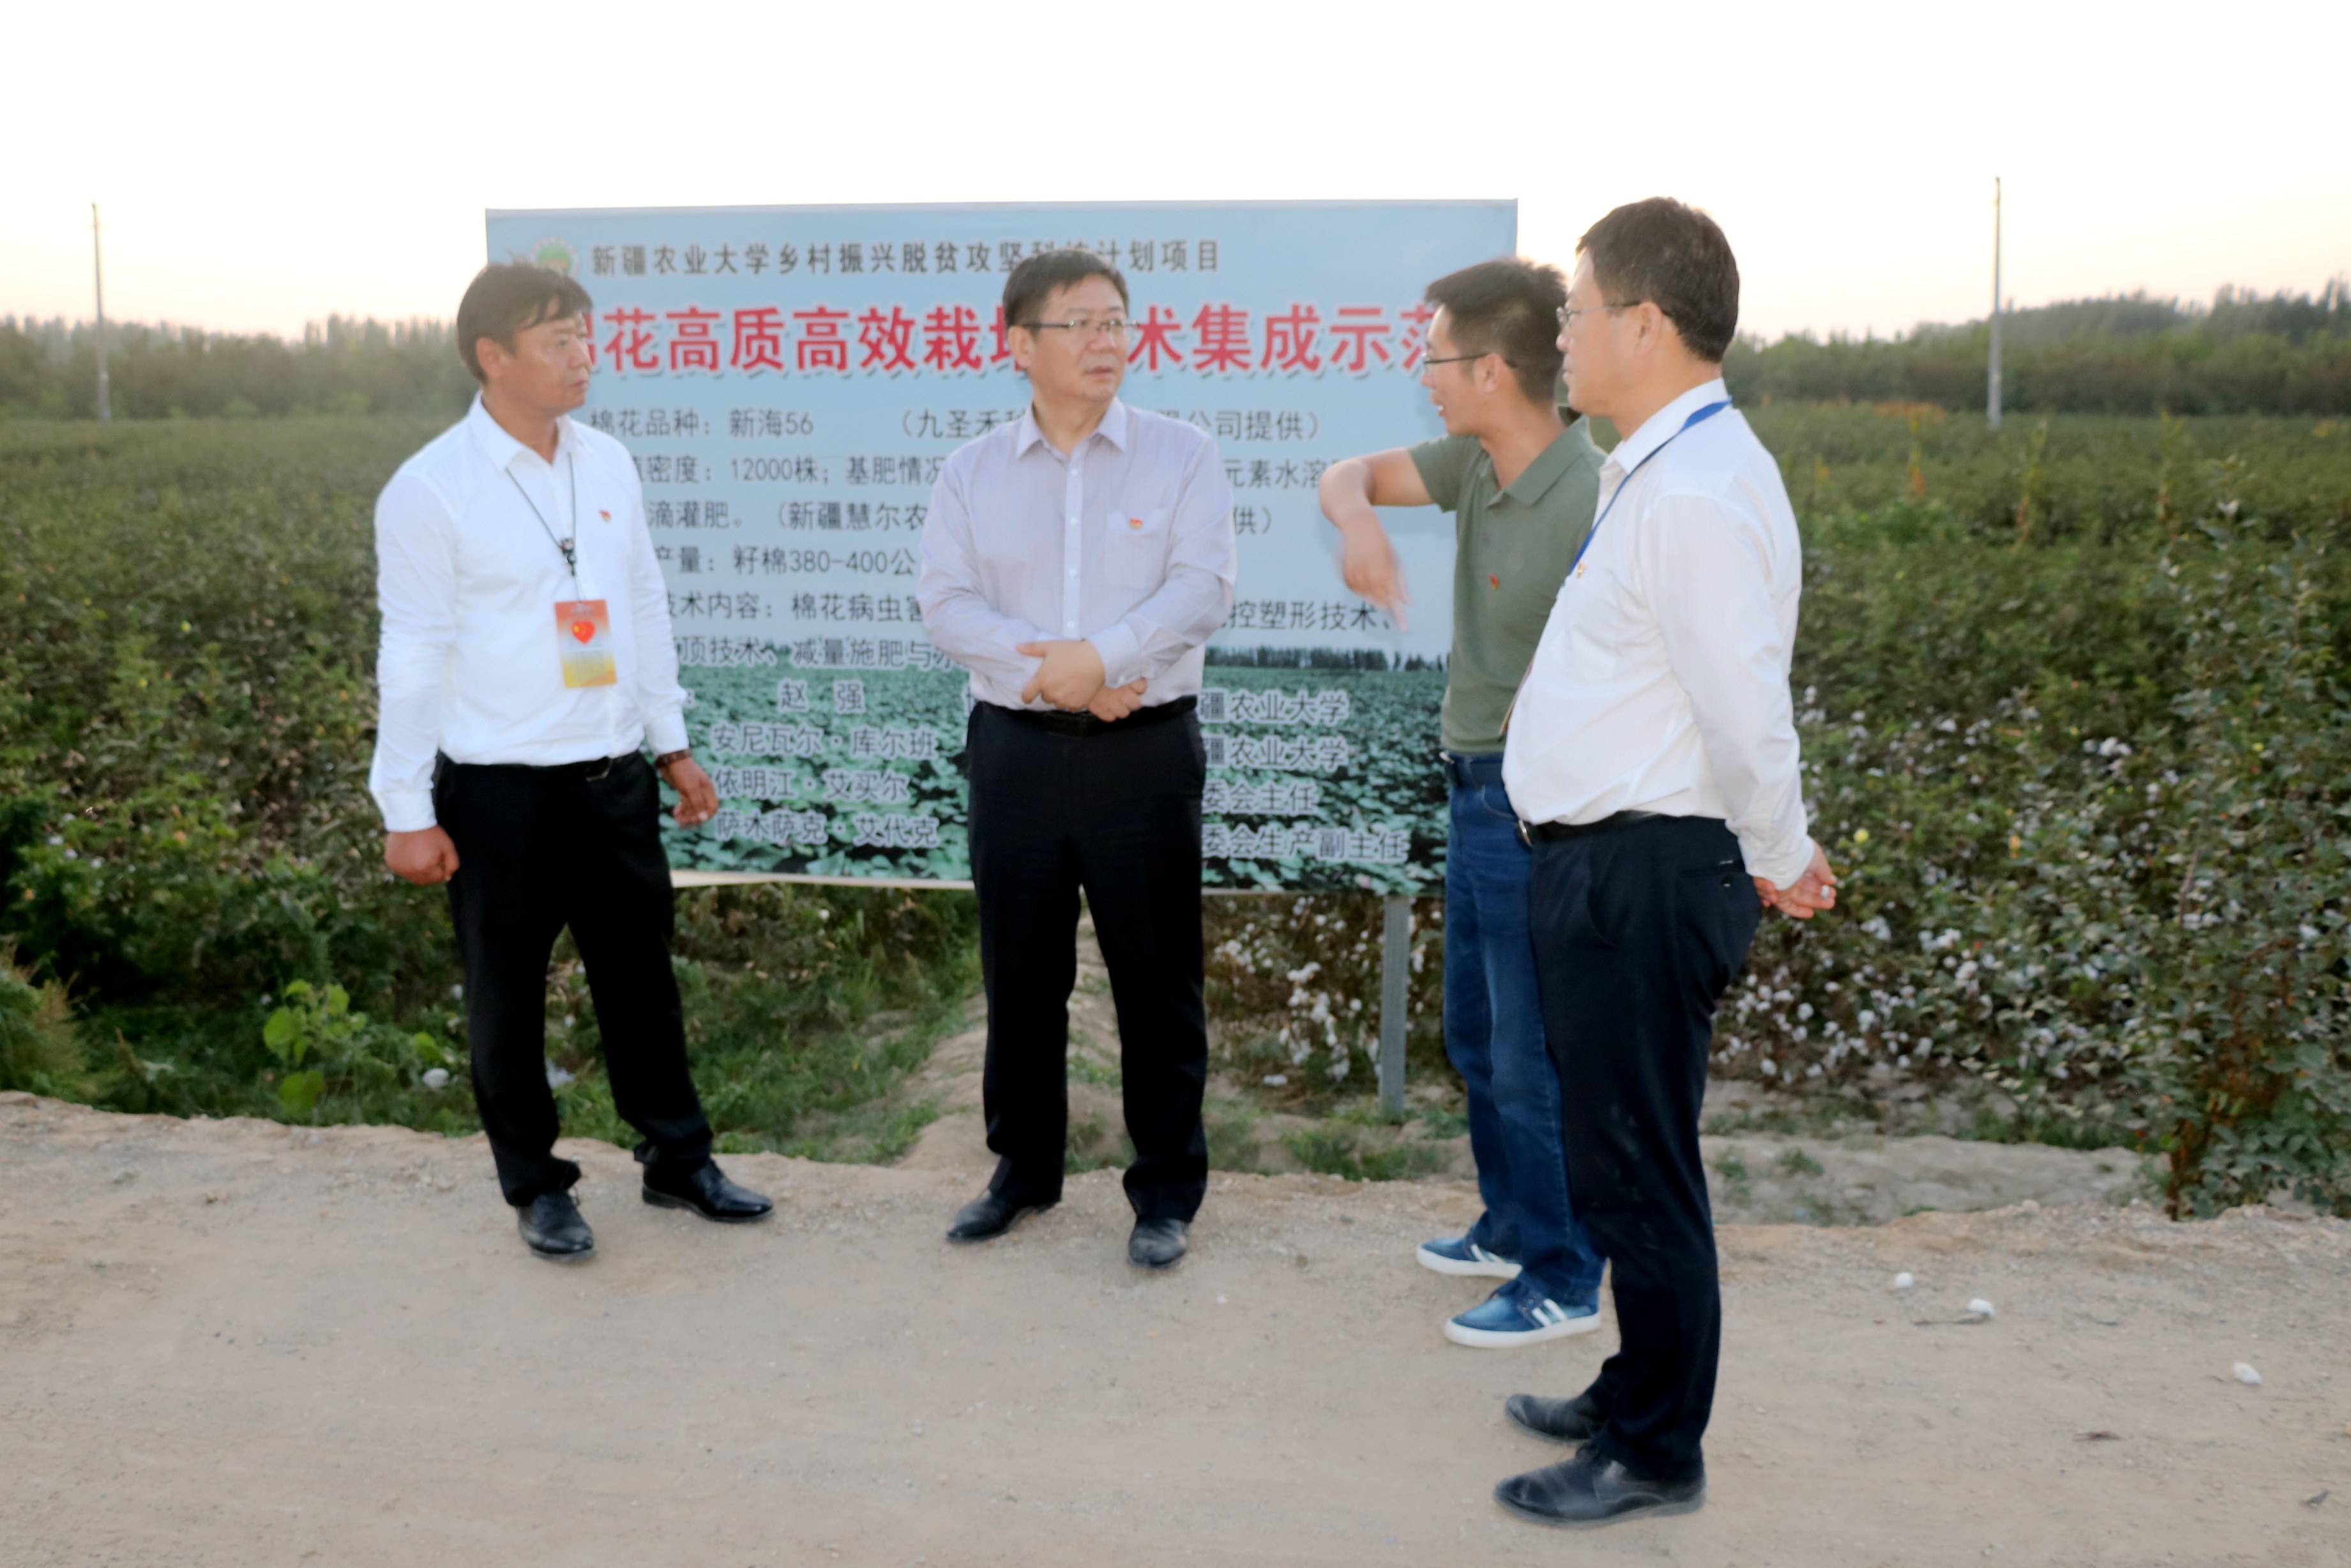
<point x="1460" y="1255"/>
<point x="1515" y="1316"/>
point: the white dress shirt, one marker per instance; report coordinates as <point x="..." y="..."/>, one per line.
<point x="468" y="576"/>
<point x="1661" y="681"/>
<point x="1127" y="542"/>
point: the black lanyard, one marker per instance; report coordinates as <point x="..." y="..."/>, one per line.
<point x="570" y="546"/>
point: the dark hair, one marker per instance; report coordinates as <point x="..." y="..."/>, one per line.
<point x="1033" y="281"/>
<point x="1674" y="257"/>
<point x="507" y="296"/>
<point x="1509" y="307"/>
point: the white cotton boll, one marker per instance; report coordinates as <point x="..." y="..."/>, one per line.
<point x="2246" y="1374"/>
<point x="1903" y="1281"/>
<point x="436" y="1077"/>
<point x="1982" y="1308"/>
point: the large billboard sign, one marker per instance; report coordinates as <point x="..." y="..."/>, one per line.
<point x="789" y="381"/>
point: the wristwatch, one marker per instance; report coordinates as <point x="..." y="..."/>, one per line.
<point x="661" y="763"/>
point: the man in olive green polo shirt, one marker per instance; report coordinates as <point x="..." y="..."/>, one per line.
<point x="1521" y="484"/>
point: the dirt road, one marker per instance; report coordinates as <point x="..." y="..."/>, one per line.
<point x="231" y="1342"/>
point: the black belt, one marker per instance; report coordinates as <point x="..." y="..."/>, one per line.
<point x="1087" y="724"/>
<point x="594" y="767"/>
<point x="1533" y="833"/>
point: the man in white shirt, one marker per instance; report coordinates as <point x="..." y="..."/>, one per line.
<point x="1076" y="563"/>
<point x="526" y="660"/>
<point x="1652" y="758"/>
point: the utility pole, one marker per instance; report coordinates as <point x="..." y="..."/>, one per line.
<point x="1991" y="389"/>
<point x="98" y="276"/>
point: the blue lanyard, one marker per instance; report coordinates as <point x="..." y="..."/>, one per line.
<point x="1698" y="417"/>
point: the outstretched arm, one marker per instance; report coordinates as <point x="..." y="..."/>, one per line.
<point x="1350" y="488"/>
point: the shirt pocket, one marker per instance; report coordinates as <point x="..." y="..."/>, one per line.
<point x="1134" y="546"/>
<point x="1595" y="627"/>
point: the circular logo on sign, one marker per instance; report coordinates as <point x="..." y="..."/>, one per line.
<point x="552" y="253"/>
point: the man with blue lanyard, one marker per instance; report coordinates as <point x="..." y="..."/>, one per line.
<point x="1652" y="756"/>
<point x="1520" y="483"/>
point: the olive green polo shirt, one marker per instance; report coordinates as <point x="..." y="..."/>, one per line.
<point x="1512" y="550"/>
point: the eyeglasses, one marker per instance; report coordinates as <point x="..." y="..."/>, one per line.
<point x="1451" y="359"/>
<point x="1567" y="314"/>
<point x="1083" y="328"/>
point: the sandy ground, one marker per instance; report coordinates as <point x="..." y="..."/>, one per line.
<point x="235" y="1342"/>
<point x="1755" y="1178"/>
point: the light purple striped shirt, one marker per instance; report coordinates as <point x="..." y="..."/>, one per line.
<point x="1127" y="542"/>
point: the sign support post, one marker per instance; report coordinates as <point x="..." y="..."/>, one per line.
<point x="1396" y="970"/>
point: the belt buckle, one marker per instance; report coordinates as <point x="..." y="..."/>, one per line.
<point x="1525" y="837"/>
<point x="592" y="771"/>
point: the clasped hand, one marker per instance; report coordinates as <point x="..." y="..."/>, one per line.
<point x="1071" y="678"/>
<point x="1810" y="894"/>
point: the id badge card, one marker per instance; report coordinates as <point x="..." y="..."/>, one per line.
<point x="583" y="632"/>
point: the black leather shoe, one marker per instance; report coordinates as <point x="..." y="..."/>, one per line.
<point x="551" y="1227"/>
<point x="1576" y="1420"/>
<point x="1588" y="1490"/>
<point x="1157" y="1243"/>
<point x="705" y="1190"/>
<point x="988" y="1217"/>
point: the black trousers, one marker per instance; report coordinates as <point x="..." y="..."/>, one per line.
<point x="1117" y="813"/>
<point x="1638" y="933"/>
<point x="539" y="849"/>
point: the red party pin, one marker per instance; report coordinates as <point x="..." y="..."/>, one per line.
<point x="585" y="630"/>
<point x="603" y="514"/>
<point x="1134" y="522"/>
<point x="1494" y="579"/>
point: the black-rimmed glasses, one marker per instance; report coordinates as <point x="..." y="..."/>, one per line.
<point x="1568" y="313"/>
<point x="1083" y="328"/>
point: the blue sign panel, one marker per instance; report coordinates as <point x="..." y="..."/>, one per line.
<point x="789" y="379"/>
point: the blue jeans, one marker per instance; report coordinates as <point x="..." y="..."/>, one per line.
<point x="1494" y="1033"/>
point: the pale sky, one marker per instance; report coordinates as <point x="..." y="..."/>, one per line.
<point x="263" y="164"/>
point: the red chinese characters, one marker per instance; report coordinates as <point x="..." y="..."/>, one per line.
<point x="821" y="345"/>
<point x="759" y="339"/>
<point x="1290" y="340"/>
<point x="1154" y="338"/>
<point x="692" y="342"/>
<point x="888" y="339"/>
<point x="1413" y="338"/>
<point x="630" y="347"/>
<point x="951" y="339"/>
<point x="1361" y="331"/>
<point x="1220" y="339"/>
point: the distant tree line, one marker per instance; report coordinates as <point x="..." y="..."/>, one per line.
<point x="2244" y="353"/>
<point x="48" y="369"/>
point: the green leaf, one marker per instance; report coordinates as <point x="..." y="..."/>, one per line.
<point x="301" y="1091"/>
<point x="339" y="1001"/>
<point x="283" y="1035"/>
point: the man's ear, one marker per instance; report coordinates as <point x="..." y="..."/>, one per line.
<point x="488" y="352"/>
<point x="1654" y="326"/>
